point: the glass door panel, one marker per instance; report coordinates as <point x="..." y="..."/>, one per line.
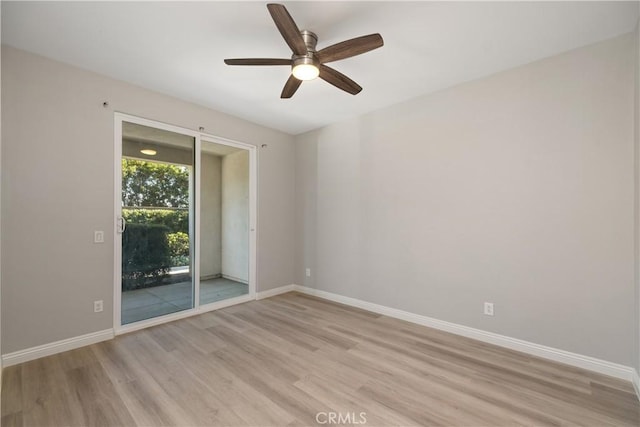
<point x="157" y="208"/>
<point x="224" y="222"/>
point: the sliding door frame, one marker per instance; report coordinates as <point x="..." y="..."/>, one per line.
<point x="119" y="118"/>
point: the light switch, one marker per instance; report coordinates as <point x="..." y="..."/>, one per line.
<point x="98" y="237"/>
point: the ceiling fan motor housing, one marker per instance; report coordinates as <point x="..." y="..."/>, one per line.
<point x="311" y="40"/>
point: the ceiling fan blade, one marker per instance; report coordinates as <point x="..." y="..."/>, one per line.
<point x="257" y="61"/>
<point x="288" y="28"/>
<point x="349" y="48"/>
<point x="339" y="80"/>
<point x="290" y="87"/>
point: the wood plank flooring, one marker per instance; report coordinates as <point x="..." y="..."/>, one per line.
<point x="284" y="360"/>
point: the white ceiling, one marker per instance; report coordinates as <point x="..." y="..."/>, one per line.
<point x="178" y="48"/>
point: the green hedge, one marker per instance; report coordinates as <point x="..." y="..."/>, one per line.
<point x="177" y="223"/>
<point x="174" y="220"/>
<point x="179" y="248"/>
<point x="146" y="257"/>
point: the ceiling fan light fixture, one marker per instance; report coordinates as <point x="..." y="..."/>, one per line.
<point x="149" y="152"/>
<point x="305" y="72"/>
<point x="305" y="67"/>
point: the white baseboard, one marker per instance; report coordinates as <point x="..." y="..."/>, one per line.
<point x="276" y="291"/>
<point x="235" y="279"/>
<point x="210" y="277"/>
<point x="55" y="347"/>
<point x="557" y="355"/>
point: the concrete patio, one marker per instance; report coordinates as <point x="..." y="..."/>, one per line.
<point x="141" y="304"/>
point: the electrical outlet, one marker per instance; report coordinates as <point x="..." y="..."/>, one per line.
<point x="97" y="306"/>
<point x="98" y="236"/>
<point x="308" y="272"/>
<point x="488" y="308"/>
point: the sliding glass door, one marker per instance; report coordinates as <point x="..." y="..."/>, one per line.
<point x="157" y="222"/>
<point x="185" y="211"/>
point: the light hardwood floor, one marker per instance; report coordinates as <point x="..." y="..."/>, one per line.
<point x="283" y="360"/>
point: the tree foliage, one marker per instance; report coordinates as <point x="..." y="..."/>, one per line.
<point x="154" y="184"/>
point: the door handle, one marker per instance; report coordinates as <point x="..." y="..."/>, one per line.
<point x="122" y="224"/>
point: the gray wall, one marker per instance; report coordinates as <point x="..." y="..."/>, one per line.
<point x="210" y="216"/>
<point x="224" y="217"/>
<point x="516" y="189"/>
<point x="57" y="188"/>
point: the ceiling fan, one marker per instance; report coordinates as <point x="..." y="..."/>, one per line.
<point x="307" y="63"/>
